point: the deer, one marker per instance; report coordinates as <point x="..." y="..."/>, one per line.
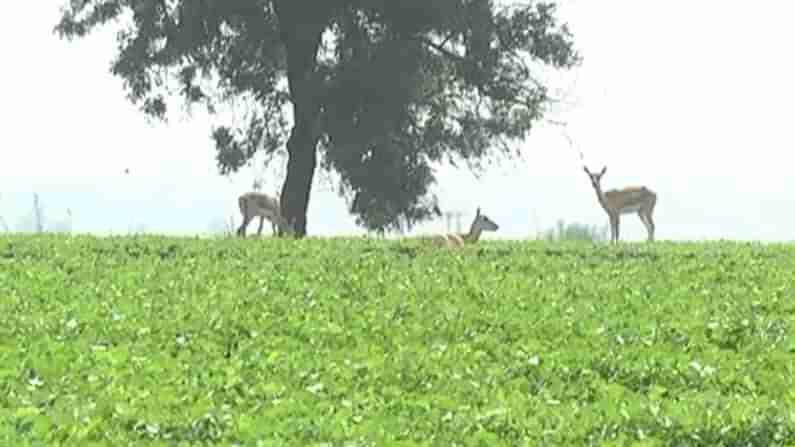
<point x="257" y="204"/>
<point x="480" y="224"/>
<point x="632" y="199"/>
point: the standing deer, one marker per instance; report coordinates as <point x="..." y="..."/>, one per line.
<point x="258" y="204"/>
<point x="616" y="202"/>
<point x="480" y="224"/>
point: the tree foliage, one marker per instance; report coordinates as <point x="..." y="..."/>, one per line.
<point x="376" y="91"/>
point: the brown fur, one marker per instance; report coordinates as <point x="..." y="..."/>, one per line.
<point x="254" y="204"/>
<point x="480" y="224"/>
<point x="615" y="202"/>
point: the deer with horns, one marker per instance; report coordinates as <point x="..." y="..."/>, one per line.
<point x="632" y="199"/>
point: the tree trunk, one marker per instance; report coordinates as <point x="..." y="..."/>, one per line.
<point x="301" y="27"/>
<point x="302" y="153"/>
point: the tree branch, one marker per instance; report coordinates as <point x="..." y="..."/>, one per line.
<point x="441" y="49"/>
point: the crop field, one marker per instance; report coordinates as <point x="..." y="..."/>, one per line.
<point x="155" y="340"/>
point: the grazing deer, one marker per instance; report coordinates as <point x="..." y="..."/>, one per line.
<point x="479" y="225"/>
<point x="253" y="204"/>
<point x="631" y="199"/>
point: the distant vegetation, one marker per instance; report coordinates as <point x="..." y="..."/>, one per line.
<point x="152" y="340"/>
<point x="574" y="231"/>
<point x="36" y="221"/>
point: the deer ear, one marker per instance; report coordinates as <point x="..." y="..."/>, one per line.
<point x="585" y="168"/>
<point x="477" y="213"/>
<point x="603" y="170"/>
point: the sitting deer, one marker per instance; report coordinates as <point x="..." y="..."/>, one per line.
<point x="480" y="224"/>
<point x="254" y="204"/>
<point x="616" y="202"/>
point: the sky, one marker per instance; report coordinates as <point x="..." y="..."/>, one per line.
<point x="691" y="99"/>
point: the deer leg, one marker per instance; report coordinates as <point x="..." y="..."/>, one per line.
<point x="615" y="224"/>
<point x="642" y="216"/>
<point x="650" y="216"/>
<point x="650" y="220"/>
<point x="241" y="231"/>
<point x="613" y="228"/>
<point x="277" y="224"/>
<point x="261" y="221"/>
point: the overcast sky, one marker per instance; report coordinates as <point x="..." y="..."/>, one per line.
<point x="692" y="99"/>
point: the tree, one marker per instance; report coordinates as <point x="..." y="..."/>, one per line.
<point x="34" y="220"/>
<point x="375" y="91"/>
<point x="38" y="213"/>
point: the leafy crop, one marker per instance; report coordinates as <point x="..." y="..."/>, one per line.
<point x="179" y="341"/>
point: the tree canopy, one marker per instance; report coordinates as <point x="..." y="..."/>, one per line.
<point x="375" y="91"/>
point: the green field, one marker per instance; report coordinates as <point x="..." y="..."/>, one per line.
<point x="353" y="342"/>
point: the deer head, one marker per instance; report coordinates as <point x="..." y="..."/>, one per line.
<point x="483" y="223"/>
<point x="596" y="179"/>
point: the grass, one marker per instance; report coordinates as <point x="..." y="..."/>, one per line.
<point x="178" y="341"/>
